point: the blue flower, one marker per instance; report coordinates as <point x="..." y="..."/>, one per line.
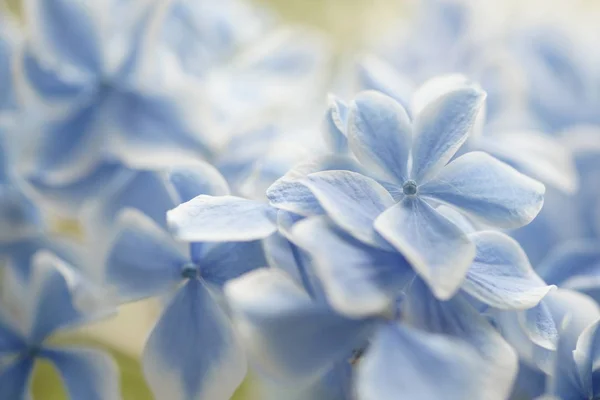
<point x="406" y="168"/>
<point x="9" y="39"/>
<point x="192" y="351"/>
<point x="54" y="299"/>
<point x="106" y="105"/>
<point x="295" y="339"/>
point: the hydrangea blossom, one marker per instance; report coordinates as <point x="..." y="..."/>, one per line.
<point x="408" y="161"/>
<point x="53" y="300"/>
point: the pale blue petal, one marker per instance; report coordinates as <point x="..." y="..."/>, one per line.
<point x="575" y="266"/>
<point x="536" y="154"/>
<point x="441" y="128"/>
<point x="436" y="248"/>
<point x="59" y="296"/>
<point x="220" y="262"/>
<point x="375" y="74"/>
<point x="287" y="336"/>
<point x="143" y="260"/>
<point x="457" y="318"/>
<point x="379" y="135"/>
<point x="336" y="119"/>
<point x="288" y="193"/>
<point x="87" y="374"/>
<point x="353" y="201"/>
<point x="419" y="365"/>
<point x="198" y="179"/>
<point x="10" y="340"/>
<point x="501" y="275"/>
<point x="359" y="280"/>
<point x="15" y="380"/>
<point x="19" y="217"/>
<point x="145" y="191"/>
<point x="224" y="218"/>
<point x="192" y="352"/>
<point x="584" y="356"/>
<point x="488" y="190"/>
<point x="66" y="31"/>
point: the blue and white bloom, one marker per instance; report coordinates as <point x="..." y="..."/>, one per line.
<point x="295" y="339"/>
<point x="55" y="298"/>
<point x="405" y="170"/>
<point x="192" y="352"/>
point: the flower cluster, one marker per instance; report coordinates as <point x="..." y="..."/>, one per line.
<point x="431" y="231"/>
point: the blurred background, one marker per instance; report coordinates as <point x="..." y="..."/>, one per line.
<point x="339" y="32"/>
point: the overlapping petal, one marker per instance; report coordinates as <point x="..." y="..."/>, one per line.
<point x="353" y="201"/>
<point x="279" y="323"/>
<point x="143" y="259"/>
<point x="359" y="280"/>
<point x="15" y="379"/>
<point x="488" y="190"/>
<point x="379" y="135"/>
<point x="436" y="248"/>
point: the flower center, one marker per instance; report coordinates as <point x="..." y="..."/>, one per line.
<point x="410" y="188"/>
<point x="190" y="271"/>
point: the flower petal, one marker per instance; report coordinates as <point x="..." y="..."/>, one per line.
<point x="436" y="248"/>
<point x="67" y="30"/>
<point x="224" y="218"/>
<point x="488" y="190"/>
<point x="16" y="378"/>
<point x="197" y="179"/>
<point x="441" y="127"/>
<point x="575" y="266"/>
<point x="336" y="119"/>
<point x="419" y="365"/>
<point x="379" y="135"/>
<point x="359" y="280"/>
<point x="286" y="334"/>
<point x="501" y="275"/>
<point x="87" y="373"/>
<point x="144" y="260"/>
<point x="457" y="318"/>
<point x="220" y="262"/>
<point x="353" y="201"/>
<point x="60" y="296"/>
<point x="10" y="340"/>
<point x="375" y="74"/>
<point x="192" y="352"/>
<point x="289" y="194"/>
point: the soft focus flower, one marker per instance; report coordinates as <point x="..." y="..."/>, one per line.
<point x="408" y="161"/>
<point x="55" y="298"/>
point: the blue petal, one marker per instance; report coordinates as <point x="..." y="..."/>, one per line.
<point x="586" y="353"/>
<point x="59" y="297"/>
<point x="379" y="135"/>
<point x="288" y="193"/>
<point x="575" y="266"/>
<point x="501" y="275"/>
<point x="19" y="217"/>
<point x="288" y="336"/>
<point x="420" y="365"/>
<point x="224" y="218"/>
<point x="336" y="119"/>
<point x="195" y="180"/>
<point x="144" y="260"/>
<point x="436" y="248"/>
<point x="353" y="201"/>
<point x="441" y="127"/>
<point x="457" y="318"/>
<point x="68" y="28"/>
<point x="145" y="191"/>
<point x="220" y="262"/>
<point x="192" y="352"/>
<point x="538" y="155"/>
<point x="359" y="280"/>
<point x="487" y="190"/>
<point x="88" y="374"/>
<point x="10" y="340"/>
<point x="15" y="380"/>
